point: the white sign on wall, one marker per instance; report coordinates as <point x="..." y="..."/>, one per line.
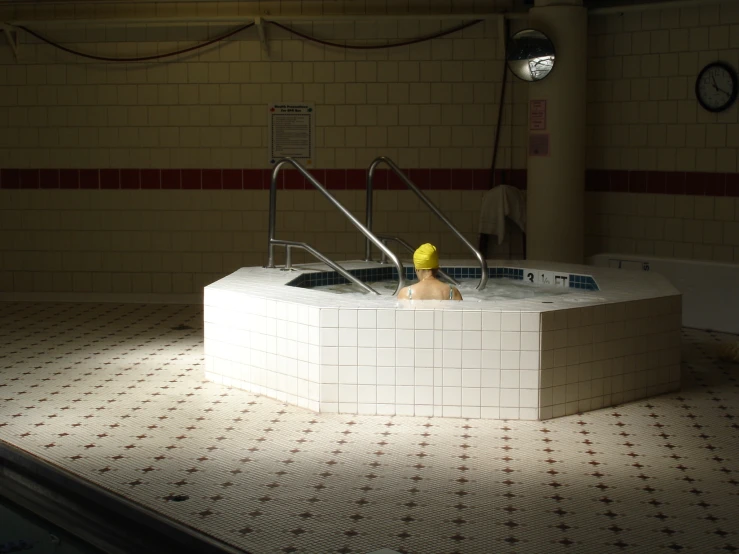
<point x="291" y="132"/>
<point x="538" y="115"/>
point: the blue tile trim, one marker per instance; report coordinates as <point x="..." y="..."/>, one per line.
<point x="583" y="282"/>
<point x="324" y="278"/>
<point x="505" y="273"/>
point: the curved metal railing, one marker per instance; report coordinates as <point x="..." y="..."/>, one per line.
<point x="272" y="241"/>
<point x="429" y="204"/>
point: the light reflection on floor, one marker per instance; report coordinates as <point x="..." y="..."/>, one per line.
<point x="115" y="393"/>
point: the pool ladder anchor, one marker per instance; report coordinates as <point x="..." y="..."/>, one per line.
<point x="288" y="260"/>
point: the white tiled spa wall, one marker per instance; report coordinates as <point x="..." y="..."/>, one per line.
<point x="500" y="359"/>
<point x="471" y="364"/>
<point x="427" y="362"/>
<point x="408" y="362"/>
<point x="265" y="346"/>
<point x="603" y="355"/>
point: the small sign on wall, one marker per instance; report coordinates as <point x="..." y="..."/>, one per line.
<point x="538" y="115"/>
<point x="539" y="144"/>
<point x="291" y="132"/>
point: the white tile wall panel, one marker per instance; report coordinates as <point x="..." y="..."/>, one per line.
<point x="476" y="360"/>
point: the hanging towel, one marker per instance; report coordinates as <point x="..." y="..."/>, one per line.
<point x="497" y="204"/>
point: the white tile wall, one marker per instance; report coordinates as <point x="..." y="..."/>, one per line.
<point x="643" y="113"/>
<point x="208" y="110"/>
<point x="427" y="105"/>
<point x="669" y="226"/>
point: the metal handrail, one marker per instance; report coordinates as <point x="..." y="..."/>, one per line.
<point x="429" y="204"/>
<point x="271" y="241"/>
<point x="328" y="261"/>
<point x="409" y="248"/>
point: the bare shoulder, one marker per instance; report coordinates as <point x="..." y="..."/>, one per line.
<point x="403" y="293"/>
<point x="457" y="295"/>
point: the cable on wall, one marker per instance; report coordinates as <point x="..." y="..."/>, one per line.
<point x="244" y="27"/>
<point x="378" y="46"/>
<point x="140" y="59"/>
<point x="504" y="81"/>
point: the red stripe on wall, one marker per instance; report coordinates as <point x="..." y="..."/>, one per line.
<point x="663" y="182"/>
<point x="232" y="179"/>
<point x="653" y="182"/>
<point x="150" y="179"/>
<point x="49" y="179"/>
<point x="252" y="179"/>
<point x="108" y="179"/>
<point x="211" y="179"/>
<point x="170" y="179"/>
<point x="90" y="179"/>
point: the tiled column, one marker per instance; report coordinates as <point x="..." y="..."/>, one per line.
<point x="556" y="181"/>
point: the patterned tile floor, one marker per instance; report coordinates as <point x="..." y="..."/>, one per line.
<point x="115" y="394"/>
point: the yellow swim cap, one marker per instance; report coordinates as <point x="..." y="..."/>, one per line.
<point x="426" y="257"/>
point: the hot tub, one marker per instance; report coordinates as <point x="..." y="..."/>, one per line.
<point x="581" y="338"/>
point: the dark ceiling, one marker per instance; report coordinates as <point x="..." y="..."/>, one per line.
<point x="588" y="3"/>
<point x="610" y="3"/>
<point x="517" y="5"/>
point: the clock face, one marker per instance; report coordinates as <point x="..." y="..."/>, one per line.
<point x="716" y="87"/>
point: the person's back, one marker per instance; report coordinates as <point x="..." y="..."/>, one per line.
<point x="426" y="262"/>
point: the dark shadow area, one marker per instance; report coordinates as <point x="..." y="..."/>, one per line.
<point x="701" y="365"/>
<point x="92" y="515"/>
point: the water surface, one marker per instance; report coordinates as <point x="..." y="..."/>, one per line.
<point x="496" y="289"/>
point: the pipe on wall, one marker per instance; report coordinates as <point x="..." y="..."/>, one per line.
<point x="230" y="20"/>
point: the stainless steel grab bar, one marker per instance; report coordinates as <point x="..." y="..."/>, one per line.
<point x="431" y="206"/>
<point x="409" y="248"/>
<point x="328" y="261"/>
<point x="271" y="241"/>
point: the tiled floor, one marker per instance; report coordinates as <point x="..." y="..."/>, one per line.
<point x="115" y="394"/>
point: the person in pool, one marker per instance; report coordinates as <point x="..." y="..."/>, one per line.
<point x="426" y="262"/>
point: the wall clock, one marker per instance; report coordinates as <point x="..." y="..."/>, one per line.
<point x="716" y="87"/>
